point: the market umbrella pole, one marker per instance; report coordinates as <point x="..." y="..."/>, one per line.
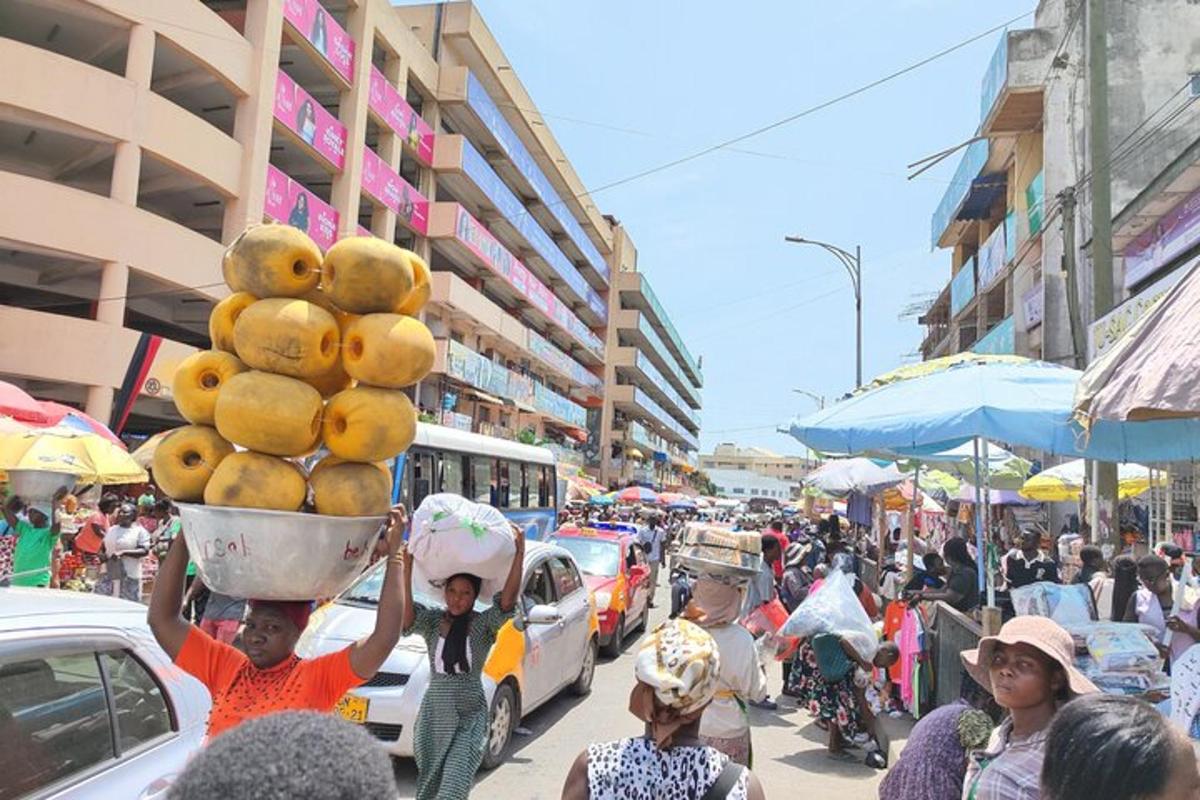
<point x="989" y="575"/>
<point x="979" y="546"/>
<point x="912" y="518"/>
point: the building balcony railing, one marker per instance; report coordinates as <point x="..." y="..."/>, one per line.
<point x="999" y="340"/>
<point x="1010" y="98"/>
<point x="460" y="90"/>
<point x="652" y="344"/>
<point x="636" y="293"/>
<point x="467" y="173"/>
<point x="641" y="362"/>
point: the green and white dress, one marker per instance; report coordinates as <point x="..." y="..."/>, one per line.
<point x="452" y="725"/>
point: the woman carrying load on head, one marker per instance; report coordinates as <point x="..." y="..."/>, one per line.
<point x="452" y="724"/>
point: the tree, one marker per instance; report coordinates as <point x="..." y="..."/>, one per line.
<point x="700" y="481"/>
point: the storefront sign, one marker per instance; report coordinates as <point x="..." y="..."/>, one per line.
<point x="386" y="101"/>
<point x="1000" y="339"/>
<point x="484" y="374"/>
<point x="322" y="31"/>
<point x="1035" y="202"/>
<point x="381" y="182"/>
<point x="481" y="103"/>
<point x="308" y="119"/>
<point x="1173" y="235"/>
<point x="484" y="246"/>
<point x="991" y="259"/>
<point x="1010" y="237"/>
<point x="452" y="419"/>
<point x="550" y="354"/>
<point x="289" y="202"/>
<point x="962" y="287"/>
<point x="1105" y="332"/>
<point x="1032" y="304"/>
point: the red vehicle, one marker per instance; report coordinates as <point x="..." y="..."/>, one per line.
<point x="617" y="574"/>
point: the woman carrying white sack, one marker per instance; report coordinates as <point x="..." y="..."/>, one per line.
<point x="462" y="548"/>
<point x="725" y="725"/>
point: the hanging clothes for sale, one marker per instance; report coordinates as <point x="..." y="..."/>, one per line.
<point x="893" y="620"/>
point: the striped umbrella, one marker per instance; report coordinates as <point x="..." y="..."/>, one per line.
<point x="637" y="494"/>
<point x="68" y="417"/>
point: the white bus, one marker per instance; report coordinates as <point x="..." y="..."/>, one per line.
<point x="519" y="479"/>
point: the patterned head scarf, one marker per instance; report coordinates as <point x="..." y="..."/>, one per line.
<point x="677" y="665"/>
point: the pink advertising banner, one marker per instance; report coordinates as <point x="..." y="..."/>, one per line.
<point x="323" y="32"/>
<point x="480" y="241"/>
<point x="381" y="182"/>
<point x="1164" y="241"/>
<point x="386" y="101"/>
<point x="289" y="202"/>
<point x="309" y="120"/>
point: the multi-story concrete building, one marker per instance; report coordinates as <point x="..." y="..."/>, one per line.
<point x="739" y="484"/>
<point x="1007" y="217"/>
<point x="756" y="460"/>
<point x="138" y="139"/>
<point x="650" y="420"/>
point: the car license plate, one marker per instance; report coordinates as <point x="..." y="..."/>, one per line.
<point x="353" y="708"/>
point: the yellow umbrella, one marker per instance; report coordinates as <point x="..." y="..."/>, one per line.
<point x="70" y="451"/>
<point x="922" y="368"/>
<point x="1065" y="482"/>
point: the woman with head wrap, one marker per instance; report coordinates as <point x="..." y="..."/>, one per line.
<point x="677" y="670"/>
<point x="725" y="724"/>
<point x="452" y="723"/>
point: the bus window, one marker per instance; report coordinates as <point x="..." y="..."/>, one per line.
<point x="452" y="474"/>
<point x="544" y="487"/>
<point x="501" y="499"/>
<point x="516" y="484"/>
<point x="482" y="486"/>
<point x="421" y="470"/>
<point x="528" y="476"/>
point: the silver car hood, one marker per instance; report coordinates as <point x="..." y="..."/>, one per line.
<point x="336" y="625"/>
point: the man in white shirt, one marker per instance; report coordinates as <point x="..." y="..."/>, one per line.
<point x="127" y="543"/>
<point x="650" y="536"/>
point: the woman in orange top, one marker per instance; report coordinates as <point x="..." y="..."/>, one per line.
<point x="269" y="676"/>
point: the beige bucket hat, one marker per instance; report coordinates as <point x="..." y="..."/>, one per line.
<point x="1040" y="632"/>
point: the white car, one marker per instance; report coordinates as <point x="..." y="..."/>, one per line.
<point x="550" y="647"/>
<point x="90" y="705"/>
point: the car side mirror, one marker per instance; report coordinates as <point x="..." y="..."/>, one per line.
<point x="543" y="615"/>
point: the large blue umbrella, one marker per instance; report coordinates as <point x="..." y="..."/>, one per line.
<point x="1019" y="402"/>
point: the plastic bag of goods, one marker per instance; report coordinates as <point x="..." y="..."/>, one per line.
<point x="1065" y="604"/>
<point x="835" y="609"/>
<point x="1119" y="647"/>
<point x="765" y="621"/>
<point x="451" y="534"/>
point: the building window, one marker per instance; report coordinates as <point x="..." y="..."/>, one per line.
<point x="739" y="490"/>
<point x="787" y="477"/>
<point x="754" y="492"/>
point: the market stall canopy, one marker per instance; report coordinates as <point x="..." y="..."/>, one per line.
<point x="900" y="497"/>
<point x="602" y="500"/>
<point x="15" y="402"/>
<point x="1150" y="373"/>
<point x="682" y="504"/>
<point x="636" y="495"/>
<point x="840" y="477"/>
<point x="69" y="417"/>
<point x="1021" y="402"/>
<point x="144" y="454"/>
<point x="1005" y="470"/>
<point x="1065" y="482"/>
<point x="91" y="457"/>
<point x="996" y="497"/>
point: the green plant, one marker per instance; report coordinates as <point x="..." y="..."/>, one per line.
<point x="528" y="436"/>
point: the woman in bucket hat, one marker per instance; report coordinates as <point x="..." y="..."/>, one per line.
<point x="1028" y="668"/>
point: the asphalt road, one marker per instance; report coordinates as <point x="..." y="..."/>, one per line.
<point x="789" y="752"/>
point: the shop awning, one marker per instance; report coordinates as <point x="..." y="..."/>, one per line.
<point x="633" y="452"/>
<point x="571" y="431"/>
<point x="483" y="396"/>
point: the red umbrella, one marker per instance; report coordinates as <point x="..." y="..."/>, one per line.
<point x="637" y="494"/>
<point x="60" y="414"/>
<point x="16" y="403"/>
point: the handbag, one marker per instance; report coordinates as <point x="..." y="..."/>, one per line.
<point x="725" y="782"/>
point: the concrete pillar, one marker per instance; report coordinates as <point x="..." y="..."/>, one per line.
<point x="139" y="59"/>
<point x="383" y="219"/>
<point x="252" y="124"/>
<point x="352" y="111"/>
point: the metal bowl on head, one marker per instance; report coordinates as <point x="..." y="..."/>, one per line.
<point x="277" y="555"/>
<point x="39" y="484"/>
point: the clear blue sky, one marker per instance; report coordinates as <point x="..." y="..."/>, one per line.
<point x="678" y="76"/>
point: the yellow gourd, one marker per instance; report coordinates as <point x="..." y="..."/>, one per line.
<point x="351" y="489"/>
<point x="198" y="381"/>
<point x="421" y="290"/>
<point x="387" y="350"/>
<point x="272" y="261"/>
<point x="185" y="459"/>
<point x="223" y="317"/>
<point x="287" y="337"/>
<point x="369" y="424"/>
<point x="363" y="275"/>
<point x="255" y="480"/>
<point x="269" y="413"/>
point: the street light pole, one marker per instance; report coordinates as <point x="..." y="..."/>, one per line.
<point x="819" y="399"/>
<point x="853" y="264"/>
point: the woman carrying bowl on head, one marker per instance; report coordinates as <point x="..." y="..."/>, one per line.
<point x="269" y="676"/>
<point x="452" y="724"/>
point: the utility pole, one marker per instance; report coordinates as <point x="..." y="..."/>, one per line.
<point x="1069" y="204"/>
<point x="853" y="265"/>
<point x="1103" y="511"/>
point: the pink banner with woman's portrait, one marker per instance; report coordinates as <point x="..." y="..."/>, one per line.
<point x="290" y="203"/>
<point x="386" y="101"/>
<point x="308" y="119"/>
<point x="323" y="32"/>
<point x="382" y="182"/>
